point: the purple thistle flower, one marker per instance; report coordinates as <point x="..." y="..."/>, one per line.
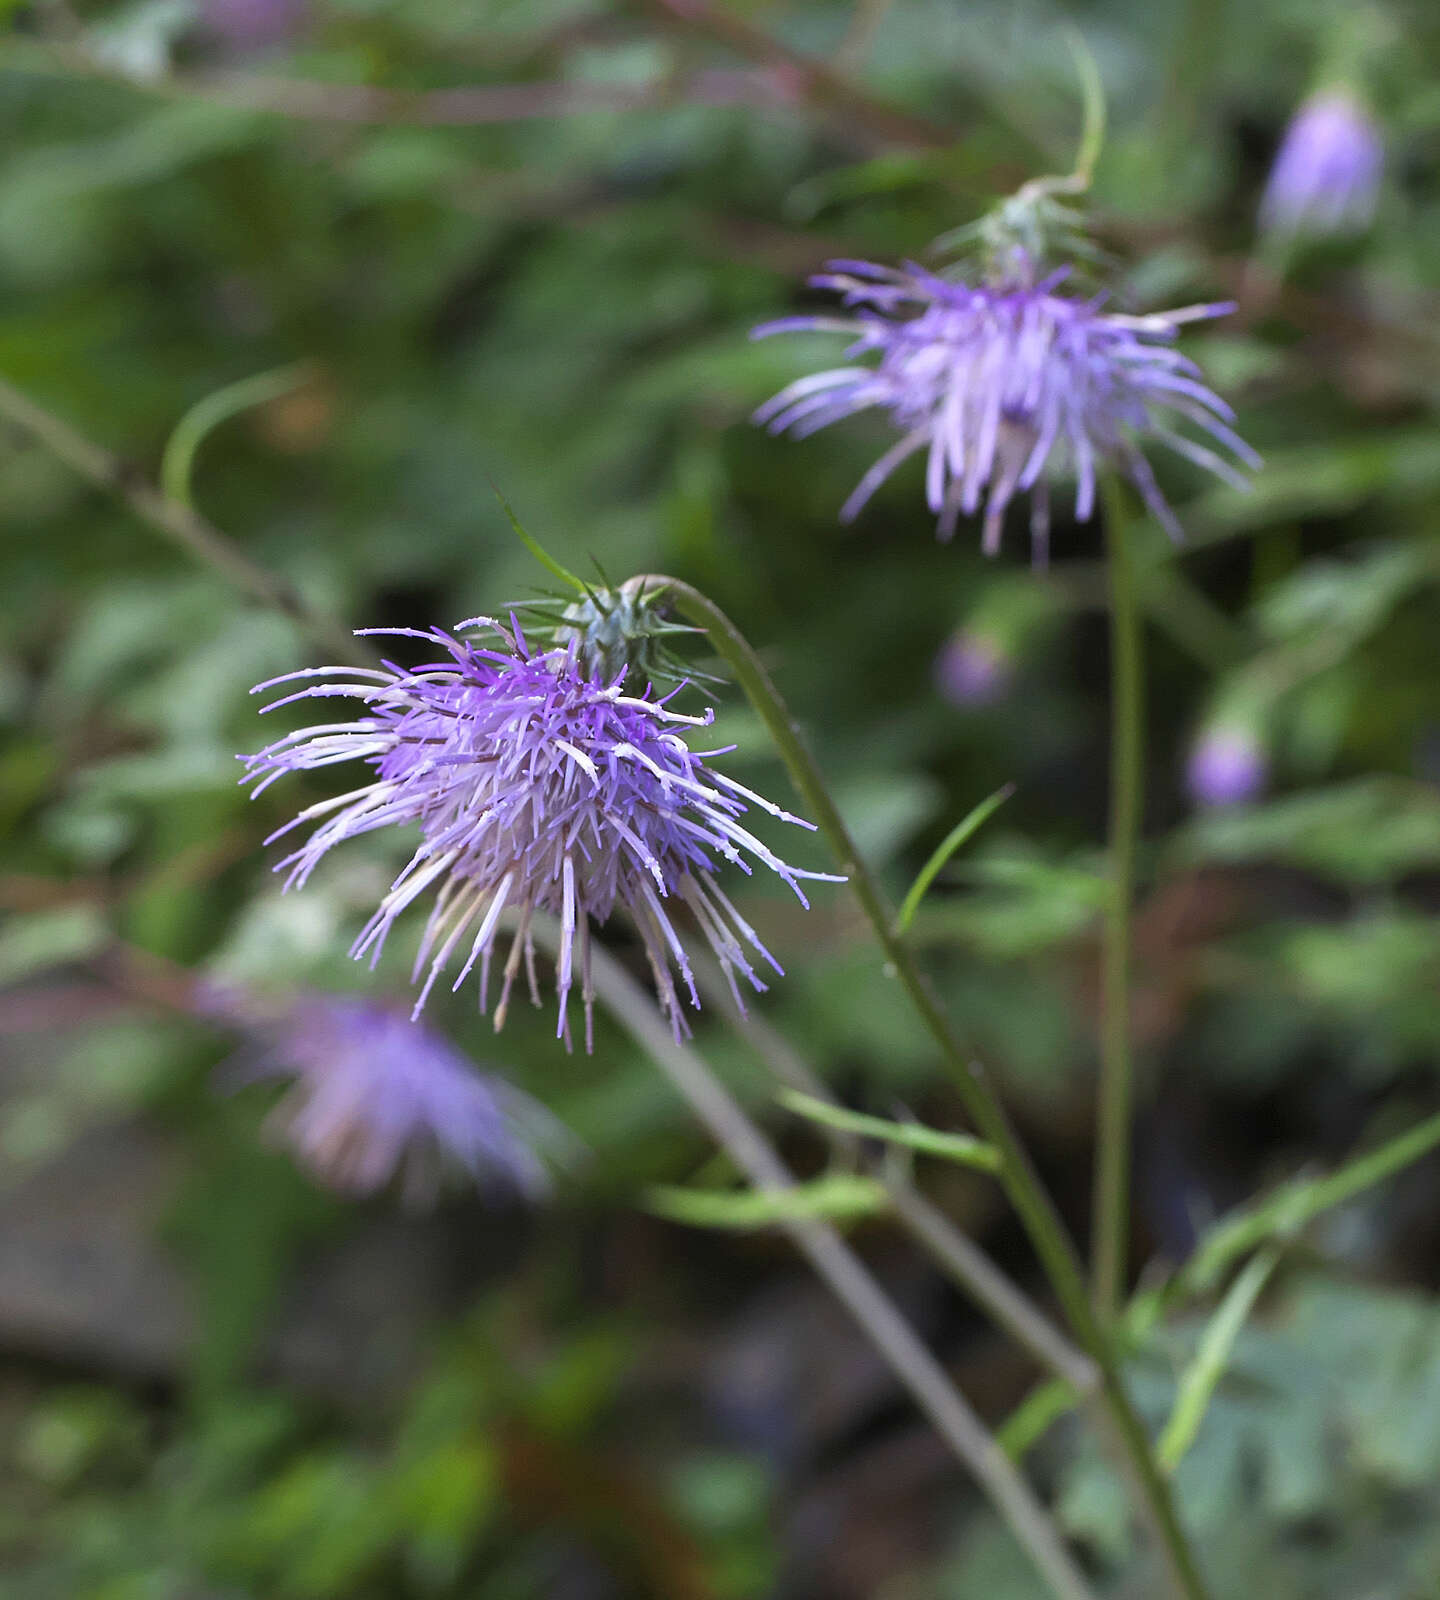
<point x="534" y="786"/>
<point x="1003" y="387"/>
<point x="973" y="669"/>
<point x="246" y="26"/>
<point x="1326" y="178"/>
<point x="374" y="1093"/>
<point x="1227" y="767"/>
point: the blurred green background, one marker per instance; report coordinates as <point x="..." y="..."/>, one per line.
<point x="217" y="1381"/>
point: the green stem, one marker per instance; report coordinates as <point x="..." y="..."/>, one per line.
<point x="178" y="462"/>
<point x="1034" y="1206"/>
<point x="1192" y="67"/>
<point x="961" y="1259"/>
<point x="842" y="1271"/>
<point x="1112" y="1172"/>
<point x="179" y="523"/>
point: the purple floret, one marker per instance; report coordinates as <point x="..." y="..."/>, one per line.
<point x="373" y="1094"/>
<point x="1004" y="388"/>
<point x="1326" y="178"/>
<point x="534" y="787"/>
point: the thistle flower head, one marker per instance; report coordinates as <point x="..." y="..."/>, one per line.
<point x="973" y="669"/>
<point x="535" y="785"/>
<point x="373" y="1094"/>
<point x="1326" y="178"/>
<point x="1227" y="767"/>
<point x="1004" y="387"/>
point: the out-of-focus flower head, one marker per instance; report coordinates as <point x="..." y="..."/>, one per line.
<point x="1004" y="386"/>
<point x="536" y="785"/>
<point x="373" y="1095"/>
<point x="248" y="26"/>
<point x="1227" y="766"/>
<point x="1326" y="178"/>
<point x="973" y="669"/>
<point x="1008" y="614"/>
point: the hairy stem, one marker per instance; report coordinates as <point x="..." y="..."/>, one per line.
<point x="1031" y="1201"/>
<point x="178" y="522"/>
<point x="1127" y="710"/>
<point x="843" y="1273"/>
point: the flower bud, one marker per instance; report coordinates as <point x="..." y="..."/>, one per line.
<point x="1326" y="177"/>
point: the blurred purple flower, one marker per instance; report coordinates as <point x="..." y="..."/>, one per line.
<point x="534" y="786"/>
<point x="374" y="1094"/>
<point x="1227" y="767"/>
<point x="1005" y="387"/>
<point x="1326" y="178"/>
<point x="972" y="669"/>
<point x="245" y="26"/>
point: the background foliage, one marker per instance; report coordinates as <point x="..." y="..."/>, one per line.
<point x="220" y="1382"/>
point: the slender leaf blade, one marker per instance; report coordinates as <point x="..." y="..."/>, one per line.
<point x="958" y="835"/>
<point x="959" y="1147"/>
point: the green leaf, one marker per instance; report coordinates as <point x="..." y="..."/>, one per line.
<point x="1323" y="479"/>
<point x="1198" y="1382"/>
<point x="536" y="549"/>
<point x="1286" y="1211"/>
<point x="177" y="464"/>
<point x="965" y="829"/>
<point x="42" y="939"/>
<point x="959" y="1147"/>
<point x="1032" y="1418"/>
<point x="837" y="1197"/>
<point x="1365" y="831"/>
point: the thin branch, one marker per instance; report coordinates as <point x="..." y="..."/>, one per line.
<point x="972" y="1270"/>
<point x="814" y="81"/>
<point x="841" y="1270"/>
<point x="177" y="521"/>
<point x="466" y="106"/>
<point x="1111" y="1226"/>
<point x="469" y="106"/>
<point x="1033" y="1203"/>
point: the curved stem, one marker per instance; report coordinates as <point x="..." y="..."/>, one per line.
<point x="844" y="1274"/>
<point x="178" y="461"/>
<point x="1112" y="1169"/>
<point x="1035" y="1208"/>
<point x="178" y="522"/>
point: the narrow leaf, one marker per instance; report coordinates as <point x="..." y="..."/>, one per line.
<point x="178" y="462"/>
<point x="1034" y="1416"/>
<point x="837" y="1197"/>
<point x="1197" y="1384"/>
<point x="959" y="1147"/>
<point x="1294" y="1204"/>
<point x="536" y="549"/>
<point x="1092" y="98"/>
<point x="947" y="848"/>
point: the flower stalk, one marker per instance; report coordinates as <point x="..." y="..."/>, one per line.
<point x="1127" y="687"/>
<point x="1032" y="1203"/>
<point x="843" y="1273"/>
